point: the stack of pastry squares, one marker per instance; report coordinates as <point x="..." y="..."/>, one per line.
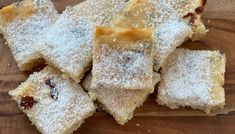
<point x="122" y="75"/>
<point x="123" y="44"/>
<point x="170" y="30"/>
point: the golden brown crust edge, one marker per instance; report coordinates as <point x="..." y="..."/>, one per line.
<point x="21" y="9"/>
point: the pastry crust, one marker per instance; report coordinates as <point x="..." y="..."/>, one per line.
<point x="46" y="98"/>
<point x="193" y="79"/>
<point x="122" y="59"/>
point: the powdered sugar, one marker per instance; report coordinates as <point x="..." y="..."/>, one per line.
<point x="68" y="44"/>
<point x="169" y="35"/>
<point x="63" y="115"/>
<point x="101" y="12"/>
<point x="119" y="103"/>
<point x="182" y="7"/>
<point x="170" y="30"/>
<point x="122" y="69"/>
<point x="187" y="80"/>
<point x="23" y="35"/>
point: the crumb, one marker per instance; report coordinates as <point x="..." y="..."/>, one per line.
<point x="98" y="109"/>
<point x="137" y="125"/>
<point x="148" y="130"/>
<point x="209" y="21"/>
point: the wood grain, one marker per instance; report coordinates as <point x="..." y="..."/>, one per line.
<point x="219" y="17"/>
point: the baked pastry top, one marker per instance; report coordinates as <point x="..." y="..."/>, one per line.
<point x="23" y="24"/>
<point x="101" y="12"/>
<point x="122" y="59"/>
<point x="170" y="30"/>
<point x="121" y="104"/>
<point x="54" y="105"/>
<point x="191" y="11"/>
<point x="67" y="44"/>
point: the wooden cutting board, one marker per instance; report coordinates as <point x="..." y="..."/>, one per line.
<point x="219" y="17"/>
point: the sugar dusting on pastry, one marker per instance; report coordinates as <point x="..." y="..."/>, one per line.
<point x="187" y="80"/>
<point x="67" y="44"/>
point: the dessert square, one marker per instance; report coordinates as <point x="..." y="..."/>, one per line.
<point x="53" y="105"/>
<point x="169" y="35"/>
<point x="101" y="12"/>
<point x="170" y="31"/>
<point x="67" y="45"/>
<point x="193" y="79"/>
<point x="23" y="23"/>
<point x="121" y="104"/>
<point x="122" y="59"/>
<point x="191" y="11"/>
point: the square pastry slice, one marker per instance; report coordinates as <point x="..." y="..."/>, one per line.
<point x="23" y="24"/>
<point x="101" y="12"/>
<point x="193" y="79"/>
<point x="54" y="105"/>
<point x="191" y="11"/>
<point x="170" y="31"/>
<point x="121" y="104"/>
<point x="122" y="59"/>
<point x="67" y="45"/>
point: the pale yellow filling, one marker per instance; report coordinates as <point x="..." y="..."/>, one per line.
<point x="137" y="14"/>
<point x="217" y="68"/>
